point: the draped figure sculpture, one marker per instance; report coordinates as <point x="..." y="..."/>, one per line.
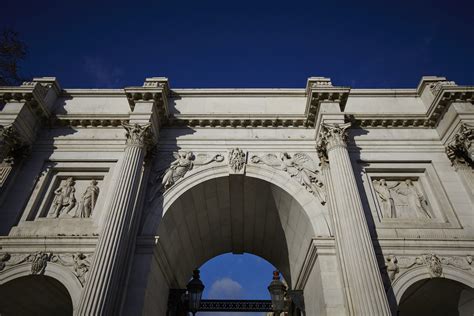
<point x="88" y="200"/>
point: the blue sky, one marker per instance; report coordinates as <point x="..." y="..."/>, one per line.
<point x="231" y="276"/>
<point x="245" y="43"/>
<point x="113" y="44"/>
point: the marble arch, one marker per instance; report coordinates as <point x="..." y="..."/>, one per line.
<point x="393" y="166"/>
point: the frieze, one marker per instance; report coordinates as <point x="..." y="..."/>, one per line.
<point x="300" y="167"/>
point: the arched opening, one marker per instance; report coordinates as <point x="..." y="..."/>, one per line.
<point x="235" y="214"/>
<point x="35" y="295"/>
<point x="438" y="296"/>
<point x="239" y="214"/>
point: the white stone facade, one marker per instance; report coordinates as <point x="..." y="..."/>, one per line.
<point x="362" y="198"/>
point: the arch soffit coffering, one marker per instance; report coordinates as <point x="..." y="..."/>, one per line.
<point x="313" y="209"/>
<point x="410" y="277"/>
<point x="61" y="274"/>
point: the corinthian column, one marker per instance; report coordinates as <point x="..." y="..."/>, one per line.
<point x="100" y="296"/>
<point x="364" y="288"/>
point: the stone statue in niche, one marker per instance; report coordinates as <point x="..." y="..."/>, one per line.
<point x="88" y="200"/>
<point x="300" y="167"/>
<point x="384" y="193"/>
<point x="64" y="200"/>
<point x="401" y="199"/>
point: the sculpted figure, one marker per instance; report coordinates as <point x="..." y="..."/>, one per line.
<point x="434" y="264"/>
<point x="81" y="266"/>
<point x="88" y="200"/>
<point x="387" y="203"/>
<point x="416" y="200"/>
<point x="185" y="161"/>
<point x="178" y="168"/>
<point x="236" y="159"/>
<point x="392" y="267"/>
<point x="40" y="260"/>
<point x="301" y="167"/>
<point x="65" y="199"/>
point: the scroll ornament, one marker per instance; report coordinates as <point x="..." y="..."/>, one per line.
<point x="300" y="167"/>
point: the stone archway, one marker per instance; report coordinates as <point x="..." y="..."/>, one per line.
<point x="212" y="213"/>
<point x="437" y="296"/>
<point x="35" y="295"/>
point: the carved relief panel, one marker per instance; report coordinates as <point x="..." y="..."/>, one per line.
<point x="407" y="195"/>
<point x="71" y="192"/>
<point x="401" y="197"/>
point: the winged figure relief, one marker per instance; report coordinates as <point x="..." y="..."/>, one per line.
<point x="183" y="163"/>
<point x="300" y="167"/>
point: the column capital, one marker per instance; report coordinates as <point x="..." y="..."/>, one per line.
<point x="12" y="145"/>
<point x="460" y="149"/>
<point x="138" y="135"/>
<point x="331" y="136"/>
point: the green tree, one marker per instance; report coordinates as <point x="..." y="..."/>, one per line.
<point x="12" y="51"/>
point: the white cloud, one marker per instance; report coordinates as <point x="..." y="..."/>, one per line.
<point x="226" y="288"/>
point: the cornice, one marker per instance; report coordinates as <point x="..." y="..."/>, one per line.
<point x="236" y="121"/>
<point x="237" y="92"/>
<point x="93" y="93"/>
<point x="31" y="93"/>
<point x="88" y="120"/>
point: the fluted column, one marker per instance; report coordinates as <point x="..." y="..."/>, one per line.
<point x="331" y="199"/>
<point x="364" y="287"/>
<point x="100" y="296"/>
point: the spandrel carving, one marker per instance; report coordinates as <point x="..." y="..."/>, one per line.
<point x="185" y="161"/>
<point x="300" y="167"/>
